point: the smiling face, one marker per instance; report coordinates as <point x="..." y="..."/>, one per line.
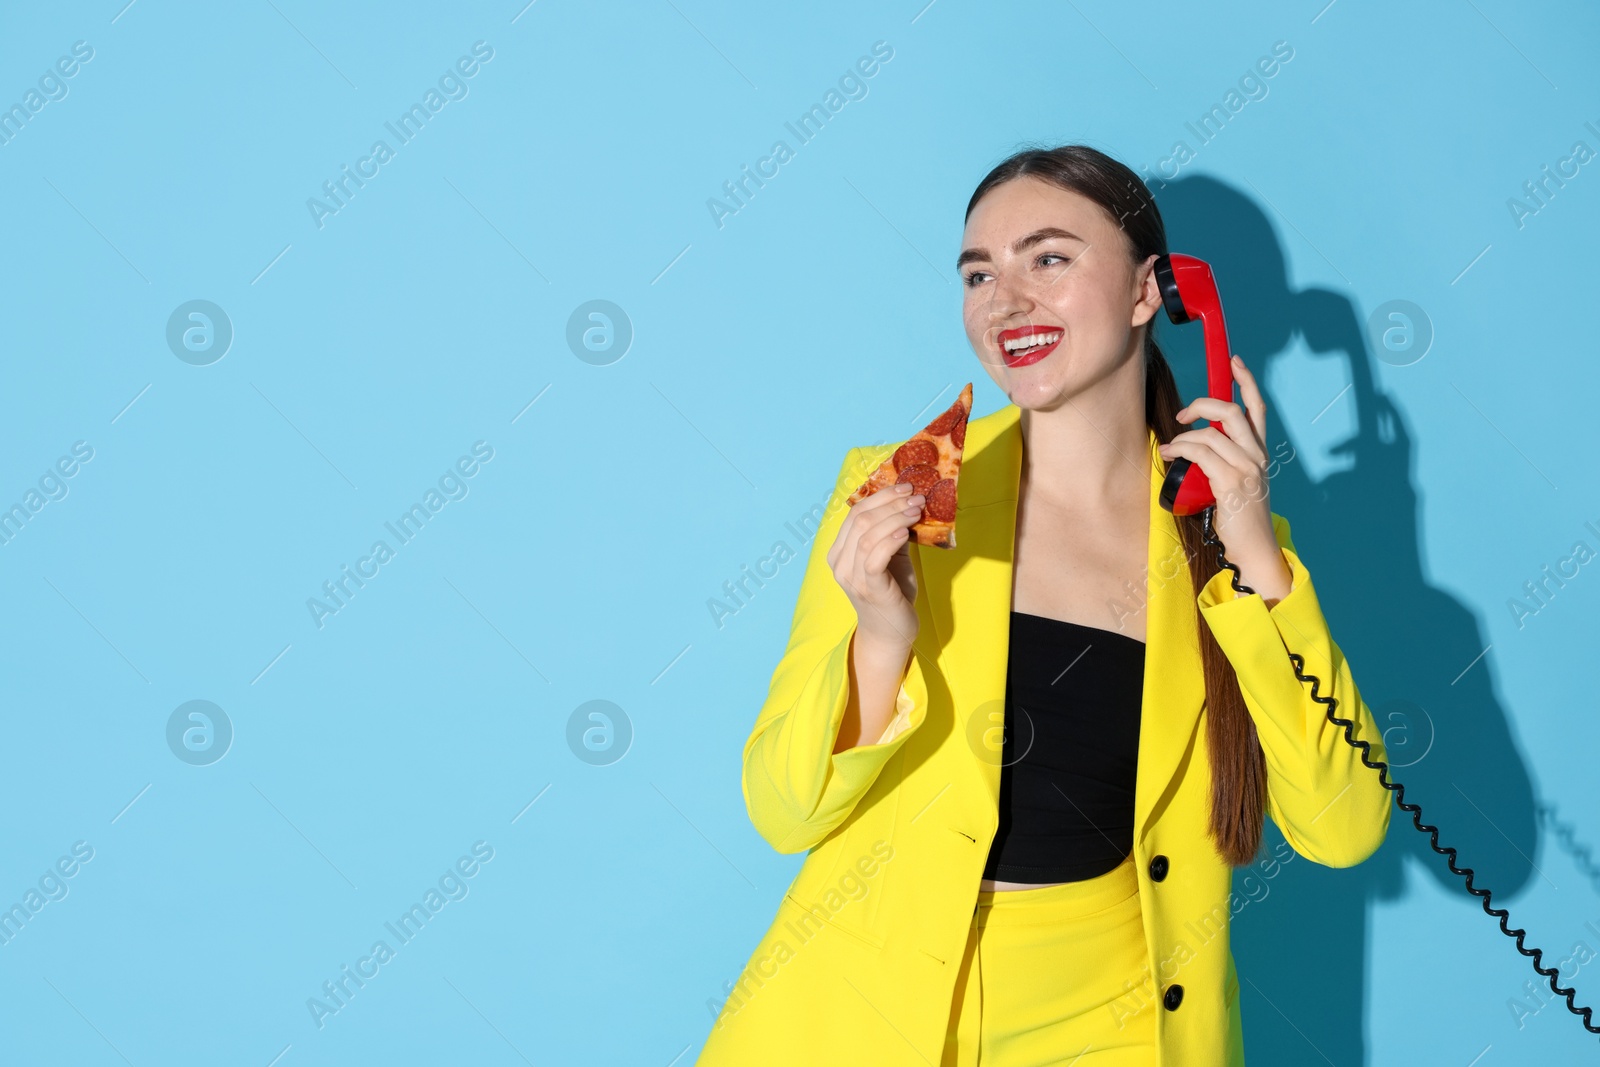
<point x="1053" y="302"/>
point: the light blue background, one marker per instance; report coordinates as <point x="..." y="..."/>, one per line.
<point x="431" y="313"/>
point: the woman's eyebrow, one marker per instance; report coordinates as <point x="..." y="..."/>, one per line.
<point x="1022" y="244"/>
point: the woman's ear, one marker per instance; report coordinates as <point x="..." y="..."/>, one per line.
<point x="1147" y="299"/>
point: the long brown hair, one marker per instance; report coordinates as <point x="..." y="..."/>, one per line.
<point x="1238" y="766"/>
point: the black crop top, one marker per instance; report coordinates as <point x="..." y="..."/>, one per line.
<point x="1073" y="700"/>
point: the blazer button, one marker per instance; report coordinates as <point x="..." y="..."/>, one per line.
<point x="1158" y="868"/>
<point x="1173" y="997"/>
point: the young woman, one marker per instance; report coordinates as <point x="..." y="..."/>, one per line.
<point x="1061" y="895"/>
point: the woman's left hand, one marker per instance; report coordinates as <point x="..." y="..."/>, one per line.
<point x="1236" y="464"/>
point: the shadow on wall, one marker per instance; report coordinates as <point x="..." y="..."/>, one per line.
<point x="1301" y="952"/>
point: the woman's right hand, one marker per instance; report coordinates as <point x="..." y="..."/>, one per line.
<point x="872" y="564"/>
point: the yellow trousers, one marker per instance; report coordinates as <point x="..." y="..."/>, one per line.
<point x="1046" y="976"/>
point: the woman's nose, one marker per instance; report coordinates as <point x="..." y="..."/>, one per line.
<point x="1006" y="299"/>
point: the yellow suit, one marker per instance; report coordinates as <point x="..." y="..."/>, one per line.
<point x="858" y="965"/>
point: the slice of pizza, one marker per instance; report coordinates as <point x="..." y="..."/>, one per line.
<point x="930" y="461"/>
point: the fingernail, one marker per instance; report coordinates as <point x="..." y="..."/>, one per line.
<point x="902" y="487"/>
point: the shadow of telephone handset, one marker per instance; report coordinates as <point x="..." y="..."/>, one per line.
<point x="1189" y="292"/>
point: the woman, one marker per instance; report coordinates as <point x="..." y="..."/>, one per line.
<point x="1062" y="896"/>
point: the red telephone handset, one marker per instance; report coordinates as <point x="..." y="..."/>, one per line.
<point x="1188" y="291"/>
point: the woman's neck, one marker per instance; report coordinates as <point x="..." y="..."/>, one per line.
<point x="1087" y="450"/>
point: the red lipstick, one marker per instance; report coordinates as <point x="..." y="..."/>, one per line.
<point x="1022" y="357"/>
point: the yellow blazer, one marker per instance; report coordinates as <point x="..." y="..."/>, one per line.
<point x="859" y="964"/>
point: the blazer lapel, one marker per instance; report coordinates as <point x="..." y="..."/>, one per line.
<point x="969" y="596"/>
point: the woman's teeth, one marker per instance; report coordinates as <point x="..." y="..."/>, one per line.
<point x="1019" y="343"/>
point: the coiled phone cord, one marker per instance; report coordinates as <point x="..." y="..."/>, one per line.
<point x="1365" y="748"/>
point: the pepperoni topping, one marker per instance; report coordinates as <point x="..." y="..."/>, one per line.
<point x="914" y="453"/>
<point x="943" y="423"/>
<point x="921" y="476"/>
<point x="942" y="500"/>
<point x="958" y="433"/>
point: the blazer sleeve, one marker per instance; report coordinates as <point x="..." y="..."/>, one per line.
<point x="796" y="788"/>
<point x="1331" y="807"/>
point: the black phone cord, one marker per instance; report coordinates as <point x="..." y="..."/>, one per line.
<point x="1365" y="747"/>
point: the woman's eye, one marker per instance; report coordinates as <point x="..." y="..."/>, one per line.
<point x="971" y="280"/>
